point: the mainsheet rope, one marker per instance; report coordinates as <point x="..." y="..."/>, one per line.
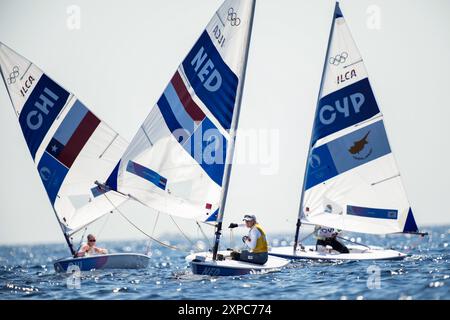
<point x="150" y="242"/>
<point x="204" y="235"/>
<point x="154" y="239"/>
<point x="140" y="230"/>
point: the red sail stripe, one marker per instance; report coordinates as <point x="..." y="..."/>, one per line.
<point x="79" y="138"/>
<point x="185" y="97"/>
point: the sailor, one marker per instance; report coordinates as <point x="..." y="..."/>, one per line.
<point x="90" y="248"/>
<point x="255" y="241"/>
<point x="327" y="237"/>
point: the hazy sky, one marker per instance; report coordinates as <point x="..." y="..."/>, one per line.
<point x="125" y="52"/>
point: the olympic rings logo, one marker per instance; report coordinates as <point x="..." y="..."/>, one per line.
<point x="339" y="58"/>
<point x="233" y="18"/>
<point x="13" y="75"/>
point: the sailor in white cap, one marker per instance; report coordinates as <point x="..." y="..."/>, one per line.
<point x="255" y="240"/>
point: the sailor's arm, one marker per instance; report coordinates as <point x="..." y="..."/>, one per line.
<point x="100" y="250"/>
<point x="83" y="251"/>
<point x="235" y="225"/>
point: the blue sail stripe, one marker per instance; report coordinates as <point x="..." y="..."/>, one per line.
<point x="170" y="119"/>
<point x="375" y="213"/>
<point x="183" y="118"/>
<point x="70" y="122"/>
<point x="202" y="142"/>
<point x="147" y="174"/>
<point x="208" y="147"/>
<point x="346" y="153"/>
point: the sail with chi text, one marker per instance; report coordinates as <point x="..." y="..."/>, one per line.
<point x="352" y="179"/>
<point x="175" y="164"/>
<point x="70" y="146"/>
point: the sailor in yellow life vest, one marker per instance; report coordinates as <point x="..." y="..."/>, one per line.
<point x="256" y="241"/>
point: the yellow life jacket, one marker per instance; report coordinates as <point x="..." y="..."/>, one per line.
<point x="261" y="242"/>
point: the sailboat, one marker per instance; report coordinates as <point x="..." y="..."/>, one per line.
<point x="179" y="161"/>
<point x="351" y="181"/>
<point x="72" y="149"/>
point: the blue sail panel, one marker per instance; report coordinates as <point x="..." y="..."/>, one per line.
<point x="212" y="79"/>
<point x="346" y="153"/>
<point x="338" y="12"/>
<point x="213" y="217"/>
<point x="410" y="224"/>
<point x="344" y="108"/>
<point x="40" y="111"/>
<point x="206" y="144"/>
<point x="209" y="148"/>
<point x="52" y="174"/>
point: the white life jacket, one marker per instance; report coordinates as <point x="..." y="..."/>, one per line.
<point x="323" y="233"/>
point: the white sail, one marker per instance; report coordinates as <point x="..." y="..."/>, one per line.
<point x="352" y="179"/>
<point x="175" y="163"/>
<point x="70" y="146"/>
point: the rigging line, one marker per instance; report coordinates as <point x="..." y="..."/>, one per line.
<point x="26" y="70"/>
<point x="203" y="233"/>
<point x="353" y="63"/>
<point x="140" y="230"/>
<point x="109" y="145"/>
<point x="149" y="246"/>
<point x="231" y="239"/>
<point x="220" y="19"/>
<point x="104" y="224"/>
<point x="81" y="240"/>
<point x="146" y="135"/>
<point x="384" y="180"/>
<point x="306" y="237"/>
<point x="147" y="235"/>
<point x="182" y="233"/>
<point x="69" y="99"/>
<point x="361" y="244"/>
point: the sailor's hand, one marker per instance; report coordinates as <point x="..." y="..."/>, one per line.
<point x="245" y="239"/>
<point x="233" y="225"/>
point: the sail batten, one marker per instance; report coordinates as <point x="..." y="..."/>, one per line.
<point x="352" y="180"/>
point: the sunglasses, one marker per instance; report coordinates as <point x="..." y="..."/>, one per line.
<point x="92" y="240"/>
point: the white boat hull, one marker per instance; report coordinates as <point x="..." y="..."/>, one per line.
<point x="202" y="264"/>
<point x="103" y="261"/>
<point x="356" y="253"/>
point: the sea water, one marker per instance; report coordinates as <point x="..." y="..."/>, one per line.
<point x="26" y="272"/>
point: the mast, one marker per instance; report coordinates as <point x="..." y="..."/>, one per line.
<point x="69" y="243"/>
<point x="300" y="211"/>
<point x="230" y="152"/>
